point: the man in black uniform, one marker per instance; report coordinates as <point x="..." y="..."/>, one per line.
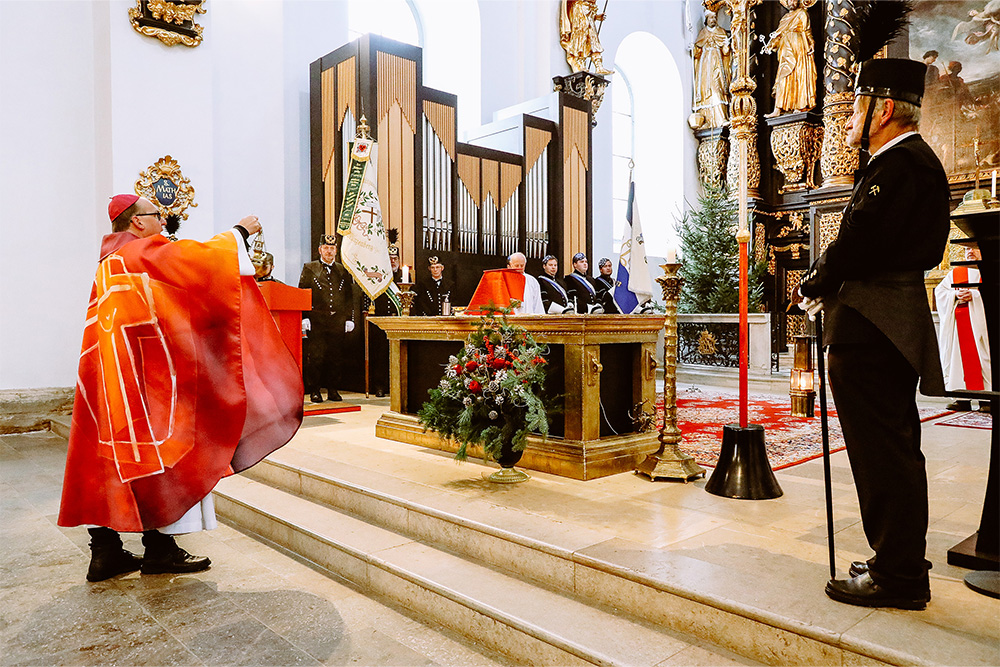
<point x="554" y="296"/>
<point x="330" y="318"/>
<point x="606" y="285"/>
<point x="432" y="293"/>
<point x="581" y="288"/>
<point x="881" y="340"/>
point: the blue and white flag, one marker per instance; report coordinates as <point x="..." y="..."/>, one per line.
<point x="633" y="287"/>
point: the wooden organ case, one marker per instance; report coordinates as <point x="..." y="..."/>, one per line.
<point x="470" y="205"/>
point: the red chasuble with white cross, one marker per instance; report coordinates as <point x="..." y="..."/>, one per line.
<point x="183" y="379"/>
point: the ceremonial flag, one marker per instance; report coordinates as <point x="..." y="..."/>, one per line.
<point x="364" y="249"/>
<point x="633" y="286"/>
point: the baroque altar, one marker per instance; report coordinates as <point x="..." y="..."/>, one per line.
<point x="599" y="368"/>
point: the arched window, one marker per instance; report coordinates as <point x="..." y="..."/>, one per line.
<point x="647" y="104"/>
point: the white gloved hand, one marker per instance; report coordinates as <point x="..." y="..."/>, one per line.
<point x="306" y="325"/>
<point x="348" y="326"/>
<point x="811" y="306"/>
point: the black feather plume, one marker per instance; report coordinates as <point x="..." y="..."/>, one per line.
<point x="392" y="234"/>
<point x="879" y="22"/>
<point x="172" y="223"/>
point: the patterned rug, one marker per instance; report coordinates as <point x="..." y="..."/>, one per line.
<point x="982" y="420"/>
<point x="790" y="440"/>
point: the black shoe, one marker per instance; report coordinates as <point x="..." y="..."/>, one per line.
<point x="858" y="568"/>
<point x="316" y="398"/>
<point x="379" y="393"/>
<point x="107" y="563"/>
<point x="984" y="407"/>
<point x="861" y="591"/>
<point x="960" y="406"/>
<point x="334" y="396"/>
<point x="163" y="556"/>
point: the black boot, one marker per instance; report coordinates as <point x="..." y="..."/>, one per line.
<point x="163" y="556"/>
<point x="107" y="556"/>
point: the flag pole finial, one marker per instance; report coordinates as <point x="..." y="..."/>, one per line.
<point x="363" y="129"/>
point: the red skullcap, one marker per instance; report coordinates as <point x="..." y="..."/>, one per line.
<point x="119" y="203"/>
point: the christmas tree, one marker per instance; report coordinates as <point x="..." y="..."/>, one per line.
<point x="711" y="266"/>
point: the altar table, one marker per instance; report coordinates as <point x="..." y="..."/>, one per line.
<point x="599" y="367"/>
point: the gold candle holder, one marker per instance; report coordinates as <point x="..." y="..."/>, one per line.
<point x="669" y="462"/>
<point x="406" y="297"/>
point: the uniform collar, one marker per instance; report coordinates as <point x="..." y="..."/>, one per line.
<point x="893" y="142"/>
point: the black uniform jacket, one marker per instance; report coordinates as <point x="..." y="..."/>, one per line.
<point x="894" y="228"/>
<point x="332" y="295"/>
<point x="430" y="295"/>
<point x="552" y="291"/>
<point x="582" y="288"/>
<point x="604" y="286"/>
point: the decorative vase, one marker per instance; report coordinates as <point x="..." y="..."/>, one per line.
<point x="508" y="459"/>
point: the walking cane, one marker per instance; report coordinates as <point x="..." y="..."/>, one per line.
<point x="825" y="427"/>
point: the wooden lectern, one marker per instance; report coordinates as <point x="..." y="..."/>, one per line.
<point x="287" y="304"/>
<point x="599" y="367"/>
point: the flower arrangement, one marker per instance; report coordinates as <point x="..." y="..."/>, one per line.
<point x="490" y="392"/>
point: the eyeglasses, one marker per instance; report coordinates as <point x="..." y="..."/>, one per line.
<point x="157" y="214"/>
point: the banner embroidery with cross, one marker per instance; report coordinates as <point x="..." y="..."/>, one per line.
<point x="364" y="248"/>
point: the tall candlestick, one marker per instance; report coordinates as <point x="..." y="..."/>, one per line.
<point x="406" y="274"/>
<point x="671" y="256"/>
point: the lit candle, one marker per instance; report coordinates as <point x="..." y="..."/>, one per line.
<point x="671" y="254"/>
<point x="406" y="273"/>
<point x="993" y="190"/>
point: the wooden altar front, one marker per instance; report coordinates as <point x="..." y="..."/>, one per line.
<point x="599" y="367"/>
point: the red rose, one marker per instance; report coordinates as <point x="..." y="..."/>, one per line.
<point x="471" y="365"/>
<point x="475" y="387"/>
<point x="457" y="368"/>
<point x="498" y="364"/>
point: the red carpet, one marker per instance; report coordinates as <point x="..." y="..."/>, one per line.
<point x="790" y="440"/>
<point x="982" y="420"/>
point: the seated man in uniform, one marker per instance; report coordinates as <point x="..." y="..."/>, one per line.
<point x="606" y="286"/>
<point x="434" y="292"/>
<point x="555" y="300"/>
<point x="581" y="289"/>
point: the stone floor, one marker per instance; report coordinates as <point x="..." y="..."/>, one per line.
<point x="259" y="606"/>
<point x="254" y="606"/>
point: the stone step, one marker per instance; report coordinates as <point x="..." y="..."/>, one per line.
<point x="529" y="623"/>
<point x="773" y="619"/>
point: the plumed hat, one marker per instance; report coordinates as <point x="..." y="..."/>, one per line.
<point x="895" y="78"/>
<point x="392" y="235"/>
<point x="119" y="203"/>
<point x="328" y="239"/>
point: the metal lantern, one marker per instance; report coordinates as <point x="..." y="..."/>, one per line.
<point x="801" y="389"/>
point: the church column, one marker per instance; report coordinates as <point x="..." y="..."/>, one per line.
<point x="838" y="161"/>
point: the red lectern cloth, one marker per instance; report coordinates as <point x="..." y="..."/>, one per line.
<point x="183" y="379"/>
<point x="497" y="286"/>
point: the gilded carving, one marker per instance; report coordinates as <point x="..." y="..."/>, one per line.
<point x="170" y="22"/>
<point x="796" y="147"/>
<point x="838" y="161"/>
<point x="706" y="343"/>
<point x="795" y="80"/>
<point x="753" y="164"/>
<point x="711" y="56"/>
<point x="713" y="155"/>
<point x="578" y="35"/>
<point x="829" y="226"/>
<point x="165" y="185"/>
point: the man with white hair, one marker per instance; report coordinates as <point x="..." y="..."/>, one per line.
<point x="532" y="304"/>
